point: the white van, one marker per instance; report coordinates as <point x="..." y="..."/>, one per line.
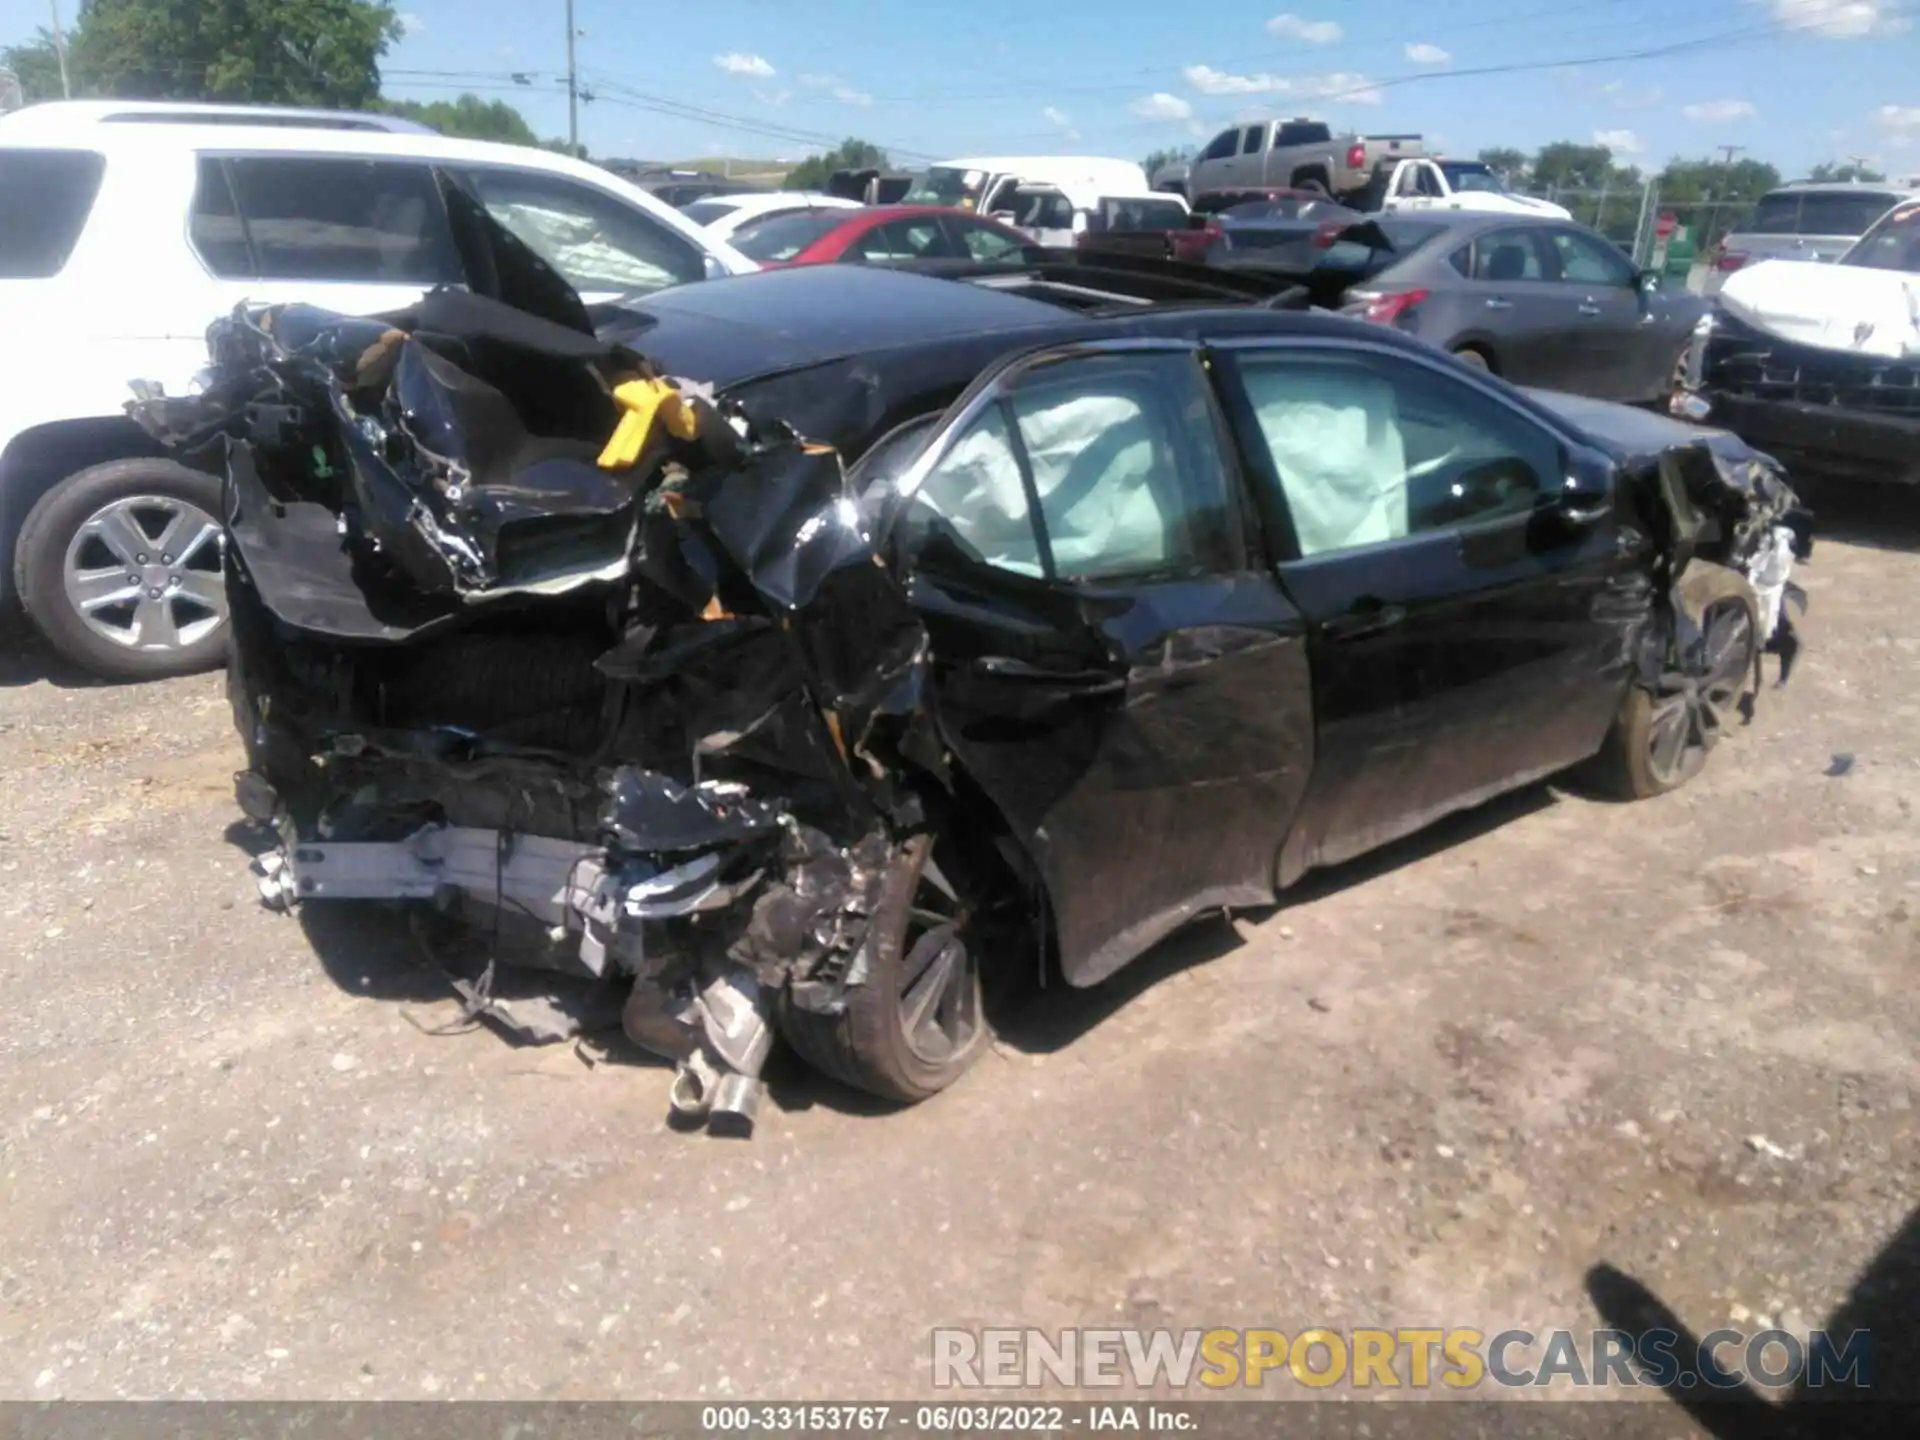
<point x="977" y="184"/>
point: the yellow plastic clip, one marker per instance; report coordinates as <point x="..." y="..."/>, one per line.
<point x="643" y="400"/>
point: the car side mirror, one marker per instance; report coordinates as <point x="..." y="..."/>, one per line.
<point x="1647" y="281"/>
<point x="1586" y="488"/>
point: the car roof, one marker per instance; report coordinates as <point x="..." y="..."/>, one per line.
<point x="62" y="115"/>
<point x="1842" y="187"/>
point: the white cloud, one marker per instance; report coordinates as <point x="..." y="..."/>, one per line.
<point x="772" y="97"/>
<point x="735" y="63"/>
<point x="1055" y="116"/>
<point x="1209" y="81"/>
<point x="1339" y="85"/>
<point x="1161" y="106"/>
<point x="1897" y="117"/>
<point x="837" y="88"/>
<point x="1839" y="19"/>
<point x="410" y="23"/>
<point x="1718" y="110"/>
<point x="1424" y="54"/>
<point x="1621" y="142"/>
<point x="1313" y="32"/>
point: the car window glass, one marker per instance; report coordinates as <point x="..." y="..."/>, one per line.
<point x="705" y="212"/>
<point x="596" y="240"/>
<point x="1893" y="244"/>
<point x="1507" y="255"/>
<point x="1827" y="213"/>
<point x="1221" y="146"/>
<point x="975" y="500"/>
<point x="1589" y="260"/>
<point x="773" y="238"/>
<point x="1250" y="139"/>
<point x="984" y="242"/>
<point x="213" y="225"/>
<point x="917" y="239"/>
<point x="45" y="198"/>
<point x="1127" y="466"/>
<point x="372" y="221"/>
<point x="1368" y="450"/>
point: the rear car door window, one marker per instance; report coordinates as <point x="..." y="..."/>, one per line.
<point x="975" y="499"/>
<point x="598" y="241"/>
<point x="1250" y="139"/>
<point x="373" y="221"/>
<point x="1589" y="260"/>
<point x="1221" y="146"/>
<point x="917" y="239"/>
<point x="213" y="225"/>
<point x="45" y="198"/>
<point x="984" y="242"/>
<point x="1827" y="213"/>
<point x="1368" y="449"/>
<point x="1504" y="256"/>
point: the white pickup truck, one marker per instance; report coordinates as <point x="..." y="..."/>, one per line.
<point x="1409" y="185"/>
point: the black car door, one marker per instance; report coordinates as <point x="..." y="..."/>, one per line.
<point x="1114" y="671"/>
<point x="1469" y="628"/>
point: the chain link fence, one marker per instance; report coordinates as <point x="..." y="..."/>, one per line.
<point x="1674" y="238"/>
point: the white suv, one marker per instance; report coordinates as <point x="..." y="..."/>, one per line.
<point x="125" y="230"/>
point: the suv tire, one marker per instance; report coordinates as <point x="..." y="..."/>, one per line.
<point x="155" y="611"/>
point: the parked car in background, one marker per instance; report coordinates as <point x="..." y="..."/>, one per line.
<point x="120" y="240"/>
<point x="879" y="235"/>
<point x="724" y="216"/>
<point x="1810" y="220"/>
<point x="1285" y="231"/>
<point x="1415" y="185"/>
<point x="1151" y="224"/>
<point x="1300" y="154"/>
<point x="1540" y="302"/>
<point x="978" y="184"/>
<point x="1821" y="363"/>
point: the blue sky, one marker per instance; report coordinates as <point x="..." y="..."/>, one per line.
<point x="1795" y="81"/>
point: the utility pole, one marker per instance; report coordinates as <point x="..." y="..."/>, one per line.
<point x="573" y="90"/>
<point x="60" y="49"/>
<point x="1727" y="152"/>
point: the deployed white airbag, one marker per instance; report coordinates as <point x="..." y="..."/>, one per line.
<point x="1838" y="307"/>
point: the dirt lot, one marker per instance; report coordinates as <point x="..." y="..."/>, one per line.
<point x="1436" y="1088"/>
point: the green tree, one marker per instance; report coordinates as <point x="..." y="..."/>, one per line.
<point x="263" y="52"/>
<point x="469" y="118"/>
<point x="1506" y="162"/>
<point x="36" y="65"/>
<point x="1567" y="165"/>
<point x="1182" y="155"/>
<point x="813" y="172"/>
<point x="1832" y="170"/>
<point x="1710" y="196"/>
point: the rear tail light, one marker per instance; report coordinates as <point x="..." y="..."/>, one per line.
<point x="1729" y="260"/>
<point x="1356" y="156"/>
<point x="1383" y="309"/>
<point x="1324" y="237"/>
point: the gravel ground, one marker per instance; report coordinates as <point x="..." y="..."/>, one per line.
<point x="1438" y="1087"/>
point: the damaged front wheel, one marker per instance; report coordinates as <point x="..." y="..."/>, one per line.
<point x="915" y="1022"/>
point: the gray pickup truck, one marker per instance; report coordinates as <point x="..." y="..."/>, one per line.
<point x="1295" y="154"/>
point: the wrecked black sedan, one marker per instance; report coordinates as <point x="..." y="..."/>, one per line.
<point x="797" y="652"/>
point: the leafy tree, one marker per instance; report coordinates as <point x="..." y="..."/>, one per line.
<point x="1566" y="165"/>
<point x="1182" y="155"/>
<point x="36" y="65"/>
<point x="1712" y="196"/>
<point x="263" y="52"/>
<point x="1830" y="170"/>
<point x="469" y="118"/>
<point x="813" y="172"/>
<point x="1506" y="162"/>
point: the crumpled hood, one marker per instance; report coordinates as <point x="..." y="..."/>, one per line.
<point x="1836" y="307"/>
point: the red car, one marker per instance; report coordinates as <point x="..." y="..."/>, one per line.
<point x="877" y="235"/>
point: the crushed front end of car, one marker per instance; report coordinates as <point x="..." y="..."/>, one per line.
<point x="581" y="660"/>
